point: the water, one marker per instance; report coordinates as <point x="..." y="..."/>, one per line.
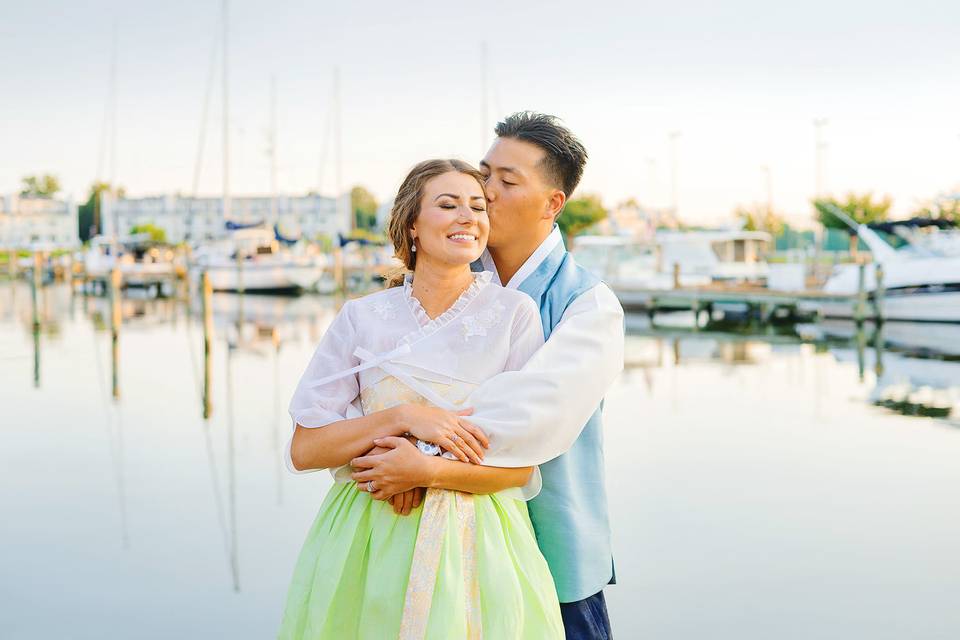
<point x="755" y="491"/>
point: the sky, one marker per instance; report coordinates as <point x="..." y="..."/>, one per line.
<point x="741" y="81"/>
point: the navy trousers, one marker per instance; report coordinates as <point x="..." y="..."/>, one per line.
<point x="586" y="619"/>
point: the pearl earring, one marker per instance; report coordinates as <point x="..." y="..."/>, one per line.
<point x="413" y="245"/>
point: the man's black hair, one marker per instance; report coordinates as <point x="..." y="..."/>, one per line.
<point x="565" y="156"/>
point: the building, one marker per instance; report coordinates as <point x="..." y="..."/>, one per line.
<point x="629" y="219"/>
<point x="193" y="219"/>
<point x="42" y="223"/>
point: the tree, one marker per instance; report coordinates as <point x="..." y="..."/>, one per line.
<point x="89" y="212"/>
<point x="862" y="209"/>
<point x="580" y="214"/>
<point x="45" y="186"/>
<point x="944" y="208"/>
<point x="157" y="234"/>
<point x="760" y="218"/>
<point x="364" y="207"/>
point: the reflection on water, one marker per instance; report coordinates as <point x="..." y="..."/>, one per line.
<point x="756" y="490"/>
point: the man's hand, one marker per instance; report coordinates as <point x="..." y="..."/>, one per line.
<point x="404" y="503"/>
<point x="400" y="469"/>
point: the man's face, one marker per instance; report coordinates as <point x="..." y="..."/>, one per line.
<point x="518" y="195"/>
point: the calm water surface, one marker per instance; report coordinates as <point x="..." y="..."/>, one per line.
<point x="755" y="492"/>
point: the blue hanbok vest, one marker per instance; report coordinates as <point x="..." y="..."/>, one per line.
<point x="570" y="514"/>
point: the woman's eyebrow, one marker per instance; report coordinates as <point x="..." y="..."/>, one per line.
<point x="449" y="195"/>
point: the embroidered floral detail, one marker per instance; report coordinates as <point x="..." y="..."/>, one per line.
<point x="385" y="309"/>
<point x="429" y="325"/>
<point x="476" y="324"/>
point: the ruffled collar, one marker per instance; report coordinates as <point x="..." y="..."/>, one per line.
<point x="429" y="325"/>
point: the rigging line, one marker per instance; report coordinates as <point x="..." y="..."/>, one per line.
<point x="204" y="119"/>
<point x="324" y="149"/>
<point x="115" y="451"/>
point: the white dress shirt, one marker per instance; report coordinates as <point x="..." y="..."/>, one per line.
<point x="562" y="384"/>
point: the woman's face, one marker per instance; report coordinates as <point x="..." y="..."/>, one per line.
<point x="452" y="227"/>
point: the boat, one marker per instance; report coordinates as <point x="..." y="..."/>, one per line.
<point x="921" y="283"/>
<point x="142" y="263"/>
<point x="687" y="258"/>
<point x="250" y="258"/>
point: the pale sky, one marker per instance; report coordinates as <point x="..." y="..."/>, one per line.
<point x="741" y="80"/>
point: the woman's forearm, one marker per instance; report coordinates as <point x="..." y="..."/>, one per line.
<point x="475" y="478"/>
<point x="337" y="443"/>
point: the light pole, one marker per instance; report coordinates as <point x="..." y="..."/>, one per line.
<point x="651" y="181"/>
<point x="769" y="185"/>
<point x="818" y="125"/>
<point x="674" y="169"/>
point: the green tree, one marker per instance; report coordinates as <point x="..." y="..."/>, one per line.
<point x="946" y="208"/>
<point x="364" y="207"/>
<point x="862" y="209"/>
<point x="89" y="212"/>
<point x="157" y="235"/>
<point x="760" y="218"/>
<point x="45" y="186"/>
<point x="580" y="214"/>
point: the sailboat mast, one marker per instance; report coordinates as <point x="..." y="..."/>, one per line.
<point x="273" y="150"/>
<point x="226" y="115"/>
<point x="483" y="98"/>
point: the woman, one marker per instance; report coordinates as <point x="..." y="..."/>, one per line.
<point x="400" y="363"/>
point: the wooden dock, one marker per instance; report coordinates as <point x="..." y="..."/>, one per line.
<point x="762" y="304"/>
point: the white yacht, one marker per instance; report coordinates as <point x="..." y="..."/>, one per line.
<point x="141" y="263"/>
<point x="921" y="283"/>
<point x="702" y="258"/>
<point x="251" y="259"/>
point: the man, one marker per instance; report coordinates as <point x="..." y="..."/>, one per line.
<point x="531" y="170"/>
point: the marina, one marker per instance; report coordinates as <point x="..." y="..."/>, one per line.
<point x="755" y="471"/>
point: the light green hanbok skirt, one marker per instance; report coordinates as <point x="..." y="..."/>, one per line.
<point x="459" y="566"/>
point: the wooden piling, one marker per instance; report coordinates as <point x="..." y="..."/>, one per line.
<point x="878" y="294"/>
<point x="206" y="293"/>
<point x="116" y="317"/>
<point x="676" y="275"/>
<point x="860" y="308"/>
<point x="36" y="283"/>
<point x="338" y="271"/>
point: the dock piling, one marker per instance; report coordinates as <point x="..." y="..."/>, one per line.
<point x="860" y="309"/>
<point x="206" y="293"/>
<point x="878" y="294"/>
<point x="116" y="317"/>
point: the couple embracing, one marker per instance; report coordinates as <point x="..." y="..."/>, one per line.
<point x="460" y="411"/>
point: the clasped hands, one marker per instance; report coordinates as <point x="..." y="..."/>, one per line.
<point x="399" y="472"/>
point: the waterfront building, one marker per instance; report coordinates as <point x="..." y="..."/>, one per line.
<point x="186" y="219"/>
<point x="632" y="220"/>
<point x="43" y="223"/>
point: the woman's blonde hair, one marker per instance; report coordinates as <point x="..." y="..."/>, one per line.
<point x="406" y="209"/>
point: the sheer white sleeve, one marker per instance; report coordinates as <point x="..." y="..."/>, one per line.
<point x="315" y="405"/>
<point x="526" y="335"/>
<point x="535" y="414"/>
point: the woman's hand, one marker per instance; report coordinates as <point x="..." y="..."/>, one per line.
<point x="446" y="429"/>
<point x="400" y="469"/>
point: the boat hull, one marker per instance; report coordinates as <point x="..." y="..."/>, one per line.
<point x="912" y="307"/>
<point x="263" y="277"/>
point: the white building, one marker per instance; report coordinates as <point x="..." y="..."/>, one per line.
<point x="192" y="219"/>
<point x="43" y="223"/>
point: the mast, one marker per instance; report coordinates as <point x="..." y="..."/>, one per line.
<point x="226" y="116"/>
<point x="483" y="98"/>
<point x="273" y="150"/>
